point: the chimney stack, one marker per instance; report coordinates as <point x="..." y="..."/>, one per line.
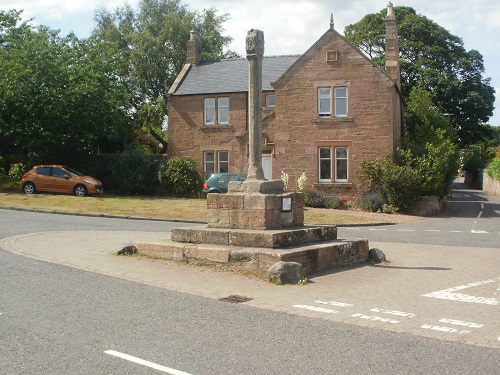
<point x="392" y="63"/>
<point x="193" y="48"/>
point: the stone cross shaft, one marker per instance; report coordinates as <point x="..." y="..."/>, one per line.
<point x="255" y="52"/>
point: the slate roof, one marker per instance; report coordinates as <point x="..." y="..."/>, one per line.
<point x="227" y="76"/>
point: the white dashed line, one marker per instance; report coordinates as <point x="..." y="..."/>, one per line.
<point x="334" y="303"/>
<point x="375" y="318"/>
<point x="444" y="329"/>
<point x="377" y="229"/>
<point x="317" y="309"/>
<point x="405" y="230"/>
<point x="461" y="323"/>
<point x="394" y="312"/>
<point x="143" y="362"/>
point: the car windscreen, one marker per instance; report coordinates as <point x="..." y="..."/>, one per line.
<point x="73" y="171"/>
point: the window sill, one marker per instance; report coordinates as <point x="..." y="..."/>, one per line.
<point x="216" y="127"/>
<point x="331" y="120"/>
<point x="333" y="184"/>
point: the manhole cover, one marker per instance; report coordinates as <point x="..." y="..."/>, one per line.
<point x="236" y="299"/>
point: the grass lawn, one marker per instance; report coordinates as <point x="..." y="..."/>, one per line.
<point x="157" y="207"/>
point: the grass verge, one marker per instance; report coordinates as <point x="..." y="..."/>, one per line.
<point x="159" y="208"/>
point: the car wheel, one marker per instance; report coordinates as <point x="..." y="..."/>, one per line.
<point x="80" y="191"/>
<point x="29" y="188"/>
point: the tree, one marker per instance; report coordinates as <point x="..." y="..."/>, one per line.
<point x="60" y="98"/>
<point x="152" y="44"/>
<point x="433" y="58"/>
<point x="429" y="146"/>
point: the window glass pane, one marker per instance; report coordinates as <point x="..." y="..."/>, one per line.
<point x="340" y="102"/>
<point x="324" y="100"/>
<point x="325" y="170"/>
<point x="223" y="161"/>
<point x="341" y="164"/>
<point x="324" y="152"/>
<point x="209" y="163"/>
<point x="341" y="152"/>
<point x="270" y="100"/>
<point x="209" y="111"/>
<point x="223" y="110"/>
<point x="57" y="172"/>
<point x="44" y="171"/>
<point x="341" y="170"/>
<point x="325" y="164"/>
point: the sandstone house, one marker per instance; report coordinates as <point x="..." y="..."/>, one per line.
<point x="324" y="112"/>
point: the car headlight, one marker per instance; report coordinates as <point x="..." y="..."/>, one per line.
<point x="90" y="181"/>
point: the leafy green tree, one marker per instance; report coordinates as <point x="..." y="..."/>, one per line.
<point x="152" y="44"/>
<point x="435" y="59"/>
<point x="60" y="99"/>
<point x="429" y="146"/>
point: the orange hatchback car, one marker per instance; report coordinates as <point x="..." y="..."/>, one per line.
<point x="59" y="179"/>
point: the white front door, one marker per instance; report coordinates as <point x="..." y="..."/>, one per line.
<point x="267" y="166"/>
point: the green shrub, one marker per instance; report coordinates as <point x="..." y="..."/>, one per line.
<point x="179" y="177"/>
<point x="372" y="201"/>
<point x="494" y="169"/>
<point x="400" y="185"/>
<point x="317" y="199"/>
<point x="2" y="169"/>
<point x="130" y="172"/>
<point x="17" y="170"/>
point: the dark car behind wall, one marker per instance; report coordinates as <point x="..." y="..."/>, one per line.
<point x="217" y="183"/>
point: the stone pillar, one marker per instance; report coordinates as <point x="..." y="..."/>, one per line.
<point x="255" y="52"/>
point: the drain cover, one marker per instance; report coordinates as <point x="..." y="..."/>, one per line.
<point x="236" y="299"/>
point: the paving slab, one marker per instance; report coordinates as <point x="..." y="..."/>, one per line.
<point x="443" y="292"/>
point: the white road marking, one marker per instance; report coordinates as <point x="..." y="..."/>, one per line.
<point x="375" y="318"/>
<point x="394" y="312"/>
<point x="478" y="231"/>
<point x="377" y="229"/>
<point x="482" y="206"/>
<point x="460" y="323"/>
<point x="444" y="329"/>
<point x="456" y="231"/>
<point x="479" y="214"/>
<point x="143" y="362"/>
<point x="317" y="309"/>
<point x="450" y="294"/>
<point x="432" y="230"/>
<point x="334" y="303"/>
<point x="405" y="230"/>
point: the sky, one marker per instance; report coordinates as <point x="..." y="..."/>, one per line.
<point x="291" y="26"/>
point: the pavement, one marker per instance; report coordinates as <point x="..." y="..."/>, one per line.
<point x="442" y="292"/>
